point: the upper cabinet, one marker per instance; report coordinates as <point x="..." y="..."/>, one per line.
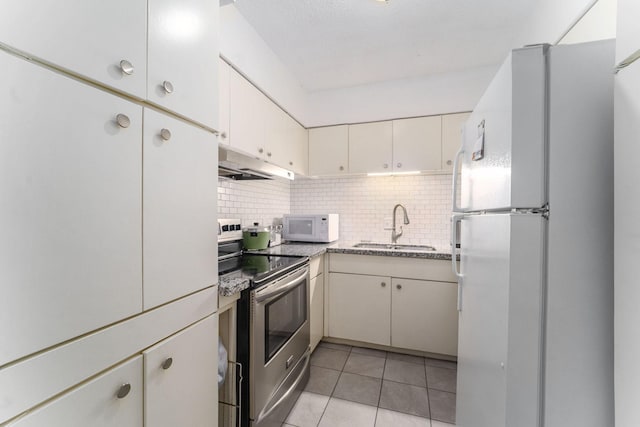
<point x="393" y="146"/>
<point x="329" y="150"/>
<point x="171" y="63"/>
<point x="224" y="100"/>
<point x="370" y="147"/>
<point x="183" y="58"/>
<point x="261" y="129"/>
<point x="417" y="144"/>
<point x="451" y="138"/>
<point x="101" y="40"/>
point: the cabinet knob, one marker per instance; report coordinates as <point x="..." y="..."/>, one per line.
<point x="449" y="162"/>
<point x="126" y="67"/>
<point x="165" y="134"/>
<point x="167" y="86"/>
<point x="167" y="363"/>
<point x="399" y="165"/>
<point x="290" y="163"/>
<point x="398" y="286"/>
<point x="123" y="121"/>
<point x="223" y="135"/>
<point x="123" y="391"/>
<point x="260" y="150"/>
<point x="386" y="165"/>
<point x="268" y="154"/>
<point x="383" y="284"/>
<point x="341" y="168"/>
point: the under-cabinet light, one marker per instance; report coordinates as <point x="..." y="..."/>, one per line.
<point x="393" y="173"/>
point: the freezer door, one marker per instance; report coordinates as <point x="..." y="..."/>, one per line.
<point x="500" y="326"/>
<point x="503" y="163"/>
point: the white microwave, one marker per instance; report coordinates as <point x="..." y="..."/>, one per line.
<point x="319" y="228"/>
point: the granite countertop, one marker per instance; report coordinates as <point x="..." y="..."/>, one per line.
<point x="228" y="286"/>
<point x="315" y="249"/>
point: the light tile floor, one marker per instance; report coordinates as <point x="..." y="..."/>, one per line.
<point x="360" y="387"/>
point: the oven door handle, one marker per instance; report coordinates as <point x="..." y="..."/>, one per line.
<point x="268" y="410"/>
<point x="278" y="289"/>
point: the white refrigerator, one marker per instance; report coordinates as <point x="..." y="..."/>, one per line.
<point x="627" y="212"/>
<point x="535" y="341"/>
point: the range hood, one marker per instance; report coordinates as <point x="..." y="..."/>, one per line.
<point x="240" y="167"/>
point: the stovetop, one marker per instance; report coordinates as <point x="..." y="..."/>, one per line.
<point x="259" y="268"/>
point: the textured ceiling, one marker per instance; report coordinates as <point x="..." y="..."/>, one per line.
<point x="331" y="44"/>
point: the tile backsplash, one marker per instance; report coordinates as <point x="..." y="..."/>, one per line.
<point x="365" y="204"/>
<point x="253" y="201"/>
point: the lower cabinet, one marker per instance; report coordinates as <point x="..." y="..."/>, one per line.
<point x="359" y="308"/>
<point x="424" y="316"/>
<point x="407" y="313"/>
<point x="181" y="385"/>
<point x="111" y="399"/>
<point x="316" y="300"/>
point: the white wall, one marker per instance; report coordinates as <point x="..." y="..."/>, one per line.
<point x="241" y="45"/>
<point x="253" y="201"/>
<point x="437" y="94"/>
<point x="551" y="20"/>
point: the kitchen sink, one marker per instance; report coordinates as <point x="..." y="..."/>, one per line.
<point x="391" y="246"/>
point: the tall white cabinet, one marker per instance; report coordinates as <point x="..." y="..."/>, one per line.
<point x="108" y="188"/>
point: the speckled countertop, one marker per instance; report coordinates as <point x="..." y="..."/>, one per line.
<point x="229" y="285"/>
<point x="315" y="249"/>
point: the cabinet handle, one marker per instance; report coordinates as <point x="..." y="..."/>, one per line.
<point x="167" y="363"/>
<point x="449" y="162"/>
<point x="126" y="67"/>
<point x="290" y="163"/>
<point x="399" y="165"/>
<point x="398" y="286"/>
<point x="123" y="121"/>
<point x="386" y="165"/>
<point x="260" y="150"/>
<point x="123" y="390"/>
<point x="341" y="168"/>
<point x="165" y="134"/>
<point x="223" y="135"/>
<point x="268" y="154"/>
<point x="167" y="86"/>
<point x="383" y="284"/>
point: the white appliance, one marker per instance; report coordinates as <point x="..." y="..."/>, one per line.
<point x="535" y="345"/>
<point x="627" y="212"/>
<point x="317" y="228"/>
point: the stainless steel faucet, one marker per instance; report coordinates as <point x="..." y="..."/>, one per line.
<point x="394" y="233"/>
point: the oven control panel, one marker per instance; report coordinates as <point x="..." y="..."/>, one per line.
<point x="229" y="229"/>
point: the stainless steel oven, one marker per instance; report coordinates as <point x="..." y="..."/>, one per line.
<point x="279" y="342"/>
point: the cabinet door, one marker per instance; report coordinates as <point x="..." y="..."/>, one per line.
<point x="297" y="147"/>
<point x="360" y="307"/>
<point x="179" y="205"/>
<point x="246" y="116"/>
<point x="101" y="402"/>
<point x="451" y="138"/>
<point x="316" y="323"/>
<point x="370" y="147"/>
<point x="89" y="38"/>
<point x="424" y="316"/>
<point x="417" y="144"/>
<point x="224" y="73"/>
<point x="181" y="378"/>
<point x="277" y="133"/>
<point x="329" y="150"/>
<point x="70" y="190"/>
<point x="182" y="74"/>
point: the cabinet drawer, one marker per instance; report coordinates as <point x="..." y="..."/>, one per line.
<point x="96" y="403"/>
<point x="410" y="268"/>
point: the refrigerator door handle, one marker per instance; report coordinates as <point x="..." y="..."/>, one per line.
<point x="455" y="219"/>
<point x="454" y="191"/>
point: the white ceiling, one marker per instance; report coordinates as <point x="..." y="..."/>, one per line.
<point x="329" y="44"/>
